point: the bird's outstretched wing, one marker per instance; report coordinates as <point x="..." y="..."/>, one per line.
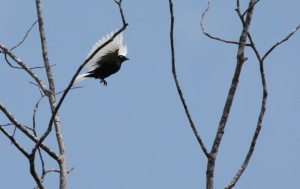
<point x="113" y="48"/>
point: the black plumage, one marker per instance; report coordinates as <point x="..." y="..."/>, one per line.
<point x="107" y="68"/>
<point x="107" y="61"/>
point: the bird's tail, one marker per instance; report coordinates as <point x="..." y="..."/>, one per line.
<point x="81" y="77"/>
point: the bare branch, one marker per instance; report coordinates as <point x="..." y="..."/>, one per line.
<point x="51" y="171"/>
<point x="4" y="125"/>
<point x="44" y="46"/>
<point x="38" y="102"/>
<point x="25" y="131"/>
<point x="207" y="34"/>
<point x="24" y="37"/>
<point x="260" y="119"/>
<point x="25" y="67"/>
<point x="14" y="142"/>
<point x="52" y="103"/>
<point x="264" y="98"/>
<point x="178" y="86"/>
<point x="280" y="42"/>
<point x="257" y="131"/>
<point x="16" y="67"/>
<point x="249" y="8"/>
<point x="33" y="172"/>
<point x="230" y="97"/>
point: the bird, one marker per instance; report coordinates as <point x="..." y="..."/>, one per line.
<point x="106" y="61"/>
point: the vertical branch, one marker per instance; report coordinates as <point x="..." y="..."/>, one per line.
<point x="258" y="127"/>
<point x="178" y="86"/>
<point x="230" y="97"/>
<point x="44" y="45"/>
<point x="52" y="102"/>
<point x="264" y="98"/>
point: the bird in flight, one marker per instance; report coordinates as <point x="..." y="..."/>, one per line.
<point x="107" y="61"/>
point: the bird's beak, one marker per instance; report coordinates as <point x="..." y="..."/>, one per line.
<point x="126" y="58"/>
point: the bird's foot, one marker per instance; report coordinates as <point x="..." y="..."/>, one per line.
<point x="104" y="82"/>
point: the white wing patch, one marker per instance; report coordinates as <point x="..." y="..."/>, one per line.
<point x="116" y="44"/>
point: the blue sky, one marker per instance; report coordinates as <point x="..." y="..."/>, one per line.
<point x="134" y="133"/>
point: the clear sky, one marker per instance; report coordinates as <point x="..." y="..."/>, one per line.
<point x="133" y="133"/>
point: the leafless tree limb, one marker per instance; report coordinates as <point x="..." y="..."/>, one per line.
<point x="230" y="97"/>
<point x="25" y="67"/>
<point x="49" y="171"/>
<point x="248" y="7"/>
<point x="33" y="172"/>
<point x="27" y="133"/>
<point x="14" y="142"/>
<point x="207" y="34"/>
<point x="28" y="31"/>
<point x="4" y="125"/>
<point x="52" y="103"/>
<point x="264" y="99"/>
<point x="16" y="67"/>
<point x="178" y="86"/>
<point x="280" y="42"/>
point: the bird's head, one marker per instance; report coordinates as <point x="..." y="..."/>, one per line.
<point x="122" y="58"/>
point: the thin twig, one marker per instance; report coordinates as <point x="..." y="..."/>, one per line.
<point x="178" y="86"/>
<point x="16" y="67"/>
<point x="280" y="42"/>
<point x="20" y="148"/>
<point x="206" y="33"/>
<point x="51" y="171"/>
<point x="25" y="67"/>
<point x="4" y="125"/>
<point x="24" y="37"/>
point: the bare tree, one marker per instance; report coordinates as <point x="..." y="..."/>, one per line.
<point x="40" y="148"/>
<point x="51" y="94"/>
<point x="245" y="18"/>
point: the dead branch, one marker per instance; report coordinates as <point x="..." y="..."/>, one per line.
<point x="230" y="97"/>
<point x="4" y="125"/>
<point x="264" y="100"/>
<point x="25" y="67"/>
<point x="28" y="31"/>
<point x="16" y="67"/>
<point x="178" y="86"/>
<point x="206" y="33"/>
<point x="280" y="42"/>
<point x="27" y="133"/>
<point x="20" y="148"/>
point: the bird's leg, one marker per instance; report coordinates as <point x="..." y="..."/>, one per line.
<point x="103" y="81"/>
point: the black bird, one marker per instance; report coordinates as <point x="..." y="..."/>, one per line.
<point x="107" y="61"/>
